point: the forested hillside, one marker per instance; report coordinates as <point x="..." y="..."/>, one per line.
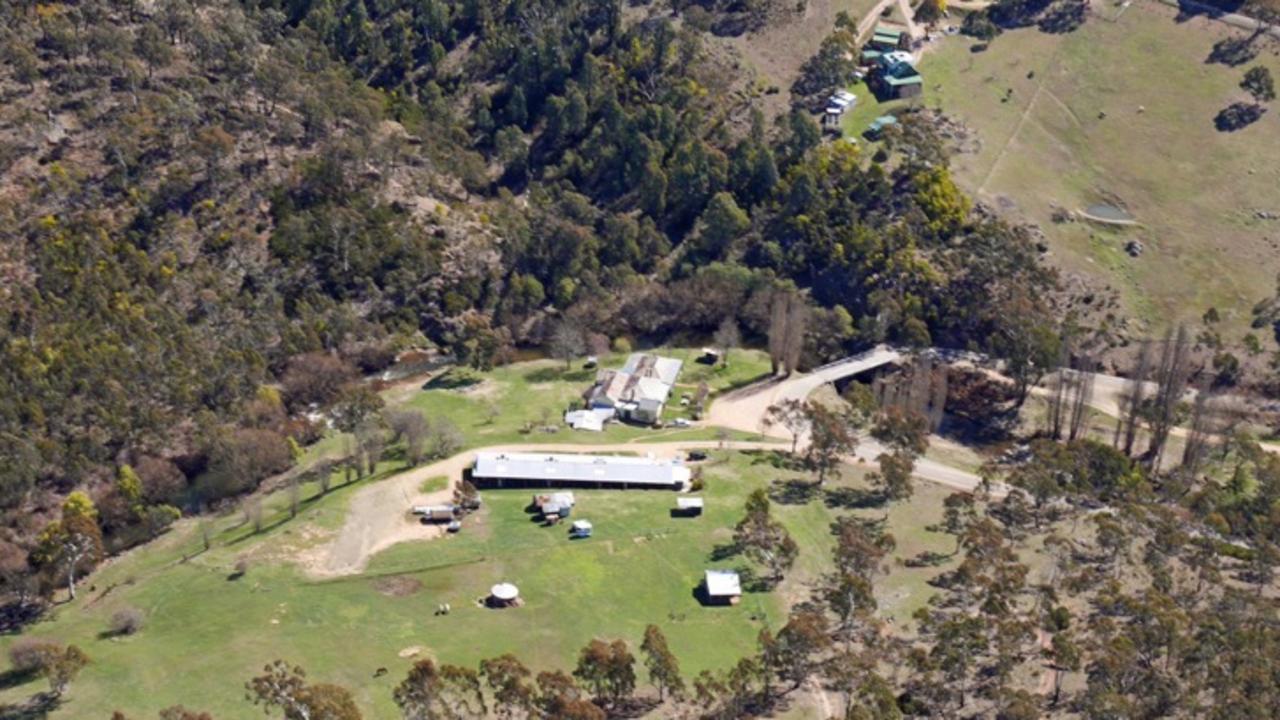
<point x="218" y="214"/>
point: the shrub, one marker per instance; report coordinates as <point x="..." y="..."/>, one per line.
<point x="126" y="621"/>
<point x="698" y="18"/>
<point x="31" y="655"/>
<point x="621" y="345"/>
<point x="1237" y="116"/>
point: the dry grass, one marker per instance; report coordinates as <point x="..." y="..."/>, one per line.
<point x="1122" y="110"/>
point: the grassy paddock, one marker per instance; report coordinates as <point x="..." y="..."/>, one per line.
<point x="504" y="402"/>
<point x="1123" y="108"/>
<point x="205" y="633"/>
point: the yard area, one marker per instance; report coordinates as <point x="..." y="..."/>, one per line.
<point x="205" y="633"/>
<point x="511" y="403"/>
<point x="1121" y="112"/>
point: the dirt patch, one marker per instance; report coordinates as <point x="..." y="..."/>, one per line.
<point x="398" y="586"/>
<point x="412" y="651"/>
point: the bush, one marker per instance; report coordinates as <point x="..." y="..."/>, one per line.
<point x="978" y="25"/>
<point x="126" y="621"/>
<point x="698" y="18"/>
<point x="621" y="345"/>
<point x="1237" y="116"/>
<point x="1233" y="51"/>
<point x="31" y="655"/>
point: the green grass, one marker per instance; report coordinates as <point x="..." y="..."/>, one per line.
<point x="1123" y="108"/>
<point x="513" y="398"/>
<point x="205" y="634"/>
<point x="868" y="108"/>
<point x="433" y="484"/>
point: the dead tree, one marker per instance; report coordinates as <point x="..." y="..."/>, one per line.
<point x="797" y="323"/>
<point x="1171" y="382"/>
<point x="788" y="319"/>
<point x="1062" y="384"/>
<point x="1200" y="433"/>
<point x="1132" y="402"/>
<point x="938" y="390"/>
<point x="1083" y="396"/>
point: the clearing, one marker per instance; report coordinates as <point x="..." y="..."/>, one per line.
<point x="1119" y="113"/>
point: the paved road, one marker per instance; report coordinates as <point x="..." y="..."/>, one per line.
<point x="744" y="409"/>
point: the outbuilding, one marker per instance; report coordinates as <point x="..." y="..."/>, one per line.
<point x="503" y="595"/>
<point x="580" y="529"/>
<point x="722" y="587"/>
<point x="508" y="469"/>
<point x="689" y="506"/>
<point x="436" y="513"/>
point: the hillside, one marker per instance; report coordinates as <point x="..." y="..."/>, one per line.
<point x="271" y="272"/>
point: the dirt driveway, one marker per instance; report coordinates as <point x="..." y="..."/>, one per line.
<point x="378" y="516"/>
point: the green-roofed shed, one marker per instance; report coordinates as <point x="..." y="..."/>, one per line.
<point x="887" y="38"/>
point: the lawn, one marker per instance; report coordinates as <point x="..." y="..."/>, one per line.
<point x="513" y="403"/>
<point x="1122" y="111"/>
<point x="205" y="633"/>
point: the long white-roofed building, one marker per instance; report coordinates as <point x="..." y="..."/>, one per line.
<point x="514" y="469"/>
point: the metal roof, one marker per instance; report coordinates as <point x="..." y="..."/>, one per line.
<point x="721" y="583"/>
<point x="570" y="469"/>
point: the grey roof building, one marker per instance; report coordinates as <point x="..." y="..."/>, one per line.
<point x="498" y="469"/>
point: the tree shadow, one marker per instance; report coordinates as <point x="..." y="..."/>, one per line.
<point x="724" y="551"/>
<point x="753" y="582"/>
<point x="452" y="381"/>
<point x="793" y="492"/>
<point x="764" y="379"/>
<point x="1206" y="8"/>
<point x="15" y="616"/>
<point x="37" y="707"/>
<point x="558" y="373"/>
<point x="848" y="498"/>
<point x="777" y="459"/>
<point x="14" y="677"/>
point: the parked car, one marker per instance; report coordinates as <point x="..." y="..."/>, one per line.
<point x="696" y="455"/>
<point x="680" y="422"/>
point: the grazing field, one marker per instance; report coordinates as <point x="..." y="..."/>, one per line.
<point x="1119" y="112"/>
<point x="206" y="633"/>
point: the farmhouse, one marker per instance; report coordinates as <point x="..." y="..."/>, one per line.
<point x="895" y="76"/>
<point x="722" y="587"/>
<point x="638" y="391"/>
<point x="498" y="469"/>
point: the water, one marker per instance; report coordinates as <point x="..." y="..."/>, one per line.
<point x="1108" y="212"/>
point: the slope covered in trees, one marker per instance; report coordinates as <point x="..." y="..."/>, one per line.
<point x="206" y="202"/>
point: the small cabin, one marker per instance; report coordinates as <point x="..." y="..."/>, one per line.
<point x="721" y="587"/>
<point x="689" y="506"/>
